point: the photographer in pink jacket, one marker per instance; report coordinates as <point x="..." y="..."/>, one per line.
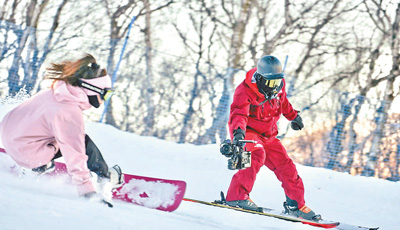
<point x="50" y="125"/>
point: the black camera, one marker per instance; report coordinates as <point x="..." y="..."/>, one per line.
<point x="226" y="148"/>
<point x="239" y="158"/>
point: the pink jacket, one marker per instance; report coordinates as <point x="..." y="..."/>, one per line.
<point x="53" y="116"/>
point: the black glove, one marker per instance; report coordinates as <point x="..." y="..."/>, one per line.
<point x="96" y="197"/>
<point x="238" y="134"/>
<point x="297" y="123"/>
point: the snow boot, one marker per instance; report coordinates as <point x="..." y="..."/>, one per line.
<point x="291" y="208"/>
<point x="245" y="204"/>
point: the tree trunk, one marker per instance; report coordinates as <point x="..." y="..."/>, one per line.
<point x="337" y="135"/>
<point x="221" y="116"/>
<point x="110" y="69"/>
<point x="148" y="89"/>
<point x="186" y="126"/>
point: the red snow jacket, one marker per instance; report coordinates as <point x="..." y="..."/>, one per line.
<point x="248" y="113"/>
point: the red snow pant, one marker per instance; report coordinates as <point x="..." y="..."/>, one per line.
<point x="271" y="153"/>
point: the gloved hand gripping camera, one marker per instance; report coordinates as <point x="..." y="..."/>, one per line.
<point x="240" y="158"/>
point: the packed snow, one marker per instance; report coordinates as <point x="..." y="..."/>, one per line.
<point x="164" y="194"/>
<point x="47" y="204"/>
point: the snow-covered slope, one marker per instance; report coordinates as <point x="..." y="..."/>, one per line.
<point x="29" y="203"/>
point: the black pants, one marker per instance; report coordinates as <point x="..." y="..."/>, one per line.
<point x="96" y="162"/>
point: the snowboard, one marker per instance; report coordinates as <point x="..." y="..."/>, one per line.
<point x="276" y="214"/>
<point x="155" y="193"/>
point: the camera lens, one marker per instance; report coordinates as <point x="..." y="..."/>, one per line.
<point x="225" y="149"/>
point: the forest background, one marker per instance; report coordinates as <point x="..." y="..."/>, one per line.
<point x="175" y="65"/>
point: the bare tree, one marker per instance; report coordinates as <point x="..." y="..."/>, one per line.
<point x="200" y="49"/>
<point x="7" y="26"/>
<point x="149" y="90"/>
<point x="231" y="19"/>
<point x="389" y="27"/>
<point x="28" y="41"/>
<point x="120" y="19"/>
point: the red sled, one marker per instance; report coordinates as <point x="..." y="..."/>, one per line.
<point x="155" y="193"/>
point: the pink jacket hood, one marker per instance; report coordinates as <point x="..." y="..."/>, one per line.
<point x="66" y="93"/>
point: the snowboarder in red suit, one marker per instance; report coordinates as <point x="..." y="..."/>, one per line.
<point x="257" y="105"/>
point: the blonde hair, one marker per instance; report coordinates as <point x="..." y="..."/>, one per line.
<point x="71" y="71"/>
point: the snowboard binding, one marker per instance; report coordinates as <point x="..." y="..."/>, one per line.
<point x="222" y="201"/>
<point x="116" y="176"/>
